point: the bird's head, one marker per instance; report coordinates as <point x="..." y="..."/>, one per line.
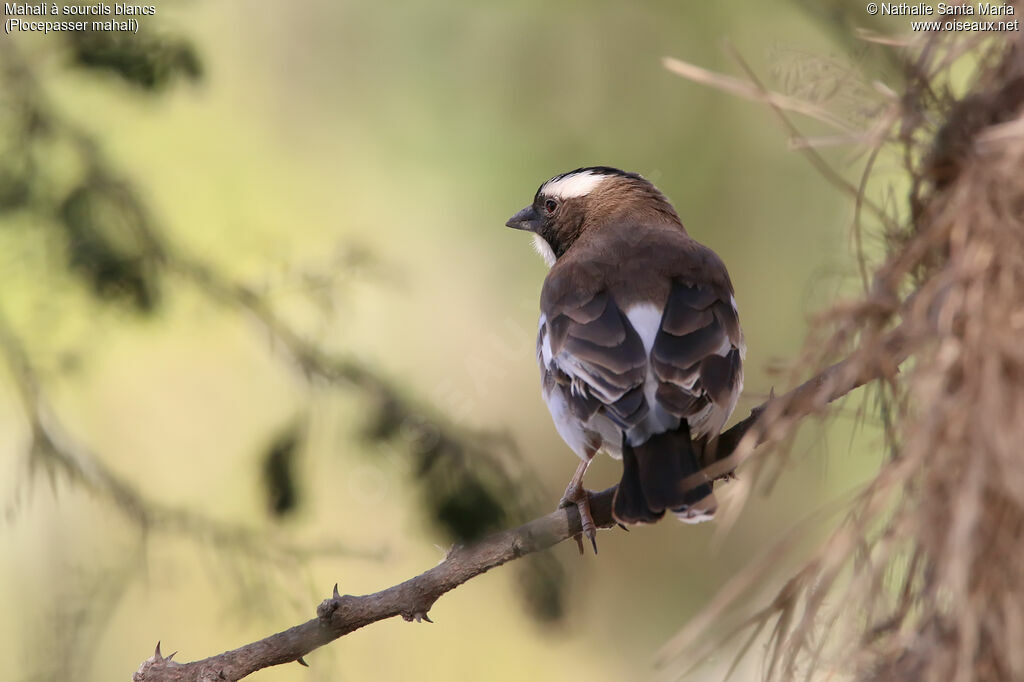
<point x="588" y="199"/>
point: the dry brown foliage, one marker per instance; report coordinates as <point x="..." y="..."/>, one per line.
<point x="923" y="579"/>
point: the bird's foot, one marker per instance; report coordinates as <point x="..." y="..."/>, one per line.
<point x="578" y="496"/>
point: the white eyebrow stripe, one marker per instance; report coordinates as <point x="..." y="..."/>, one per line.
<point x="571" y="186"/>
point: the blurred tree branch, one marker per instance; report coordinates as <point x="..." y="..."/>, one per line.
<point x="136" y="273"/>
<point x="341" y="614"/>
<point x="51" y="448"/>
<point x="117" y="249"/>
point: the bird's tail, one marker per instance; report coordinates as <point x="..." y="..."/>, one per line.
<point x="652" y="481"/>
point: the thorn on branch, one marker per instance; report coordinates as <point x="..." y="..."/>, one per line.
<point x="329" y="606"/>
<point x="418" y="616"/>
<point x="155" y="665"/>
<point x="301" y="661"/>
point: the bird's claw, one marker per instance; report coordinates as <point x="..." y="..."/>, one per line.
<point x="579" y="497"/>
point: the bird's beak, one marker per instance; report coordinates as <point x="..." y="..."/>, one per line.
<point x="527" y="219"/>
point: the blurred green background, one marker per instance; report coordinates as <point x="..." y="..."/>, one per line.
<point x="386" y="144"/>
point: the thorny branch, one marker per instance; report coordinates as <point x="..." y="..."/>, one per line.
<point x="341" y="614"/>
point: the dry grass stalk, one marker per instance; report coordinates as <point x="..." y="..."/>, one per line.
<point x="923" y="579"/>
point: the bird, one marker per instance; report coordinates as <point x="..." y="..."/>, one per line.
<point x="639" y="342"/>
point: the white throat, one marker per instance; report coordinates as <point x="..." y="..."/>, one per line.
<point x="542" y="247"/>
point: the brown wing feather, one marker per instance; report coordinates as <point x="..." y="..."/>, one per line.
<point x="697" y="352"/>
<point x="598" y="359"/>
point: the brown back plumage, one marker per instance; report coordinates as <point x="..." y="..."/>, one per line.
<point x="640" y="346"/>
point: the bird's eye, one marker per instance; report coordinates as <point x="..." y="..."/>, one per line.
<point x="550" y="206"/>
